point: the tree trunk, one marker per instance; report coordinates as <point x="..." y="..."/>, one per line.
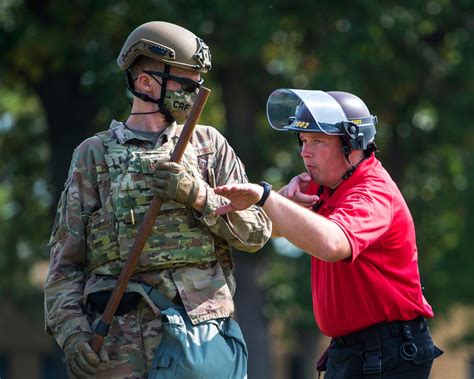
<point x="69" y="115"/>
<point x="242" y="105"/>
<point x="250" y="304"/>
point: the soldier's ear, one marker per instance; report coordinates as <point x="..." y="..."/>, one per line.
<point x="144" y="82"/>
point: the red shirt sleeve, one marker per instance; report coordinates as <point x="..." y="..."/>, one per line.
<point x="364" y="218"/>
<point x="363" y="214"/>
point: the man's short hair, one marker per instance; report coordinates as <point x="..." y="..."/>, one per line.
<point x="144" y="63"/>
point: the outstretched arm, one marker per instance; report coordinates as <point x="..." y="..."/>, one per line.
<point x="307" y="230"/>
<point x="241" y="196"/>
<point x="246" y="230"/>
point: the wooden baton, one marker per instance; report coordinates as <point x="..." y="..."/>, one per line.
<point x="101" y="330"/>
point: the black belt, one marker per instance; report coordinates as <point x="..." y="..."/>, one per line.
<point x="99" y="300"/>
<point x="129" y="301"/>
<point x="370" y="338"/>
<point x="385" y="330"/>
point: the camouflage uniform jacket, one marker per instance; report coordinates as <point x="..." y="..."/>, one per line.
<point x="206" y="290"/>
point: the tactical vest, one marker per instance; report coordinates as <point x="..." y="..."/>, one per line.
<point x="176" y="239"/>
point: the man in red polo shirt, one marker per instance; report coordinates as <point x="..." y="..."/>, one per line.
<point x="348" y="214"/>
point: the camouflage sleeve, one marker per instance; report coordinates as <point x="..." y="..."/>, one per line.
<point x="65" y="281"/>
<point x="246" y="230"/>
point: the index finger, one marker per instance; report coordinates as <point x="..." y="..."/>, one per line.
<point x="300" y="196"/>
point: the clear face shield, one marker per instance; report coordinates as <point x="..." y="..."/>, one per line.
<point x="284" y="105"/>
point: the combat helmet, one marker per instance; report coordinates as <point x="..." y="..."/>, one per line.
<point x="169" y="43"/>
<point x="172" y="45"/>
<point x="333" y="113"/>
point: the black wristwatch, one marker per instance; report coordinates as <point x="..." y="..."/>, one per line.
<point x="267" y="188"/>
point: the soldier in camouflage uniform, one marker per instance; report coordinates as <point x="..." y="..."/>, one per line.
<point x="111" y="181"/>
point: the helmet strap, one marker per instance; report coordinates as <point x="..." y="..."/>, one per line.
<point x="140" y="95"/>
<point x="371" y="148"/>
<point x="353" y="167"/>
<point x="346" y="148"/>
<point x="164" y="83"/>
<point x="148" y="99"/>
<point x="349" y="172"/>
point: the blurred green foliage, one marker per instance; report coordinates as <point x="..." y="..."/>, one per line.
<point x="411" y="61"/>
<point x="25" y="192"/>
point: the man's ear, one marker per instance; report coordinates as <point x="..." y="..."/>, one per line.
<point x="143" y="83"/>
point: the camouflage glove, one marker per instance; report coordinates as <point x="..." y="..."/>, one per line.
<point x="173" y="182"/>
<point x="81" y="361"/>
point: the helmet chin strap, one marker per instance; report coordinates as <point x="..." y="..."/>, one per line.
<point x="352" y="169"/>
<point x="347" y="149"/>
<point x="148" y="99"/>
<point x="366" y="154"/>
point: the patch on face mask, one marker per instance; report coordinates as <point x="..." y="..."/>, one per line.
<point x="179" y="104"/>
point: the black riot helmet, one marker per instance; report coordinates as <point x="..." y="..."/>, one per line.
<point x="333" y="113"/>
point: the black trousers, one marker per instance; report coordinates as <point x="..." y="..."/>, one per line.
<point x="389" y="351"/>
